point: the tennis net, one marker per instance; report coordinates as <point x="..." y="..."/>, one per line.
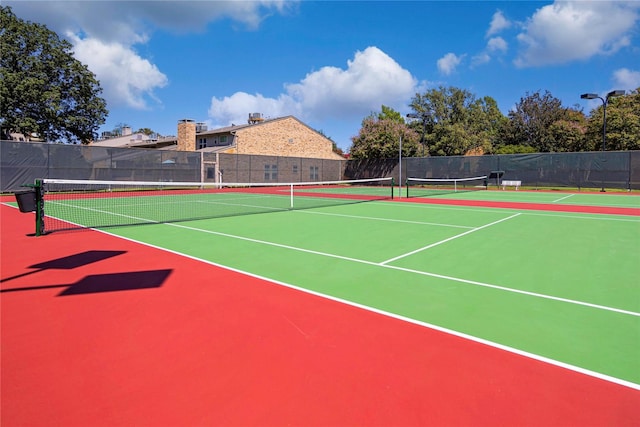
<point x="72" y="204"/>
<point x="426" y="187"/>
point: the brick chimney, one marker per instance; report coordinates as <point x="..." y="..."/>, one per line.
<point x="186" y="135"/>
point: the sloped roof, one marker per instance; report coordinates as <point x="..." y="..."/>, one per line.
<point x="234" y="128"/>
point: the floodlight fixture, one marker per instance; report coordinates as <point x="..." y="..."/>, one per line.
<point x="424" y="117"/>
<point x="605" y="101"/>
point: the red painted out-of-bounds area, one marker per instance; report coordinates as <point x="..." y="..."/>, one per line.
<point x="100" y="331"/>
<point x="553" y="207"/>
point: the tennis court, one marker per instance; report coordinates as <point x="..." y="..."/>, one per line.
<point x="544" y="282"/>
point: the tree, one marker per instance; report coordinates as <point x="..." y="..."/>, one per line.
<point x="44" y="89"/>
<point x="389" y="113"/>
<point x="380" y="136"/>
<point x="623" y="124"/>
<point x="455" y="122"/>
<point x="568" y="133"/>
<point x="541" y="122"/>
<point x="146" y="131"/>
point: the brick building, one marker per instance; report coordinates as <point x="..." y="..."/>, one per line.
<point x="283" y="137"/>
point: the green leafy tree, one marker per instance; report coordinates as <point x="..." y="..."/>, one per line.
<point x="389" y="113"/>
<point x="568" y="133"/>
<point x="541" y="122"/>
<point x="623" y="124"/>
<point x="380" y="134"/>
<point x="44" y="89"/>
<point x="455" y="122"/>
<point x="146" y="131"/>
<point x="515" y="149"/>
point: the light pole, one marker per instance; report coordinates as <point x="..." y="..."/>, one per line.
<point x="400" y="169"/>
<point x="605" y="101"/>
<point x="424" y="117"/>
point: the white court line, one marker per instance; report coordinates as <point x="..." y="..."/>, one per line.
<point x="382" y="219"/>
<point x="408" y="270"/>
<point x="462" y="335"/>
<point x="446" y="240"/>
<point x="562" y="198"/>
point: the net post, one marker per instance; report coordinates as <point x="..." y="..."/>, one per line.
<point x="393" y="184"/>
<point x="39" y="207"/>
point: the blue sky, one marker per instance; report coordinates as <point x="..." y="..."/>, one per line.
<point x="332" y="63"/>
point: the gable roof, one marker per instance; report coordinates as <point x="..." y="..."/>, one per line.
<point x="234" y="128"/>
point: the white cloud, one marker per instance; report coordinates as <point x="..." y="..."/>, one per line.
<point x="448" y="63"/>
<point x="576" y="30"/>
<point x="626" y="79"/>
<point x="497" y="44"/>
<point x="125" y="21"/>
<point x="371" y="79"/>
<point x="125" y="77"/>
<point x="236" y="108"/>
<point x="480" y="59"/>
<point x="104" y="35"/>
<point x="498" y="23"/>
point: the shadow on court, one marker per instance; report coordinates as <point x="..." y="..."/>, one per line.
<point x="68" y="263"/>
<point x="112" y="282"/>
<point x="96" y="283"/>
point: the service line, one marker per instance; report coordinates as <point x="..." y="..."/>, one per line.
<point x="447" y="240"/>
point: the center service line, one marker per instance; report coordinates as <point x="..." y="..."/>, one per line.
<point x="446" y="240"/>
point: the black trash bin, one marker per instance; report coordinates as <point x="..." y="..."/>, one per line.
<point x="26" y="200"/>
<point x="496" y="175"/>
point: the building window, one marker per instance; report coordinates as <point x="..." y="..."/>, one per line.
<point x="270" y="172"/>
<point x="202" y="143"/>
<point x="295" y="168"/>
<point x="223" y="139"/>
<point x="313" y="173"/>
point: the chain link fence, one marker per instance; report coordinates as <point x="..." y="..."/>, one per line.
<point x="23" y="162"/>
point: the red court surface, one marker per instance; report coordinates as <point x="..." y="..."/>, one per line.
<point x="608" y="210"/>
<point x="100" y="331"/>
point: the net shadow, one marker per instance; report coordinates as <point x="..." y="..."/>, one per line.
<point x="68" y="263"/>
<point x="111" y="282"/>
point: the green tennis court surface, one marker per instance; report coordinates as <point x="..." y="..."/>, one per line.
<point x="562" y="287"/>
